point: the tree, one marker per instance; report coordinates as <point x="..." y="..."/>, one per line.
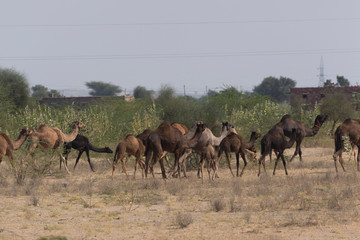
<point x="14" y="87"/>
<point x="328" y="83"/>
<point x="55" y="93"/>
<point x="103" y="89"/>
<point x="278" y="89"/>
<point x="39" y="91"/>
<point x="337" y="106"/>
<point x="342" y="82"/>
<point x="142" y="92"/>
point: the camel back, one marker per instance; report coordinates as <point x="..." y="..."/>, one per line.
<point x="8" y="140"/>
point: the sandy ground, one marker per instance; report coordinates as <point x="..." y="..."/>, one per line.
<point x="311" y="203"/>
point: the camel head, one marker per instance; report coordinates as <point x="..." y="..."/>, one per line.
<point x="78" y="124"/>
<point x="320" y="119"/>
<point x="255" y="135"/>
<point x="226" y="126"/>
<point x="26" y="132"/>
<point x="108" y="150"/>
<point x="200" y="127"/>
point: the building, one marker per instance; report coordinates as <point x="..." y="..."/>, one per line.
<point x="314" y="95"/>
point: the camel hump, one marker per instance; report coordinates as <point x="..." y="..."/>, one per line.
<point x="286" y="116"/>
<point x="7" y="139"/>
<point x="129" y="135"/>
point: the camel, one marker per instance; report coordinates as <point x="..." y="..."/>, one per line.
<point x="8" y="146"/>
<point x="132" y="146"/>
<point x="275" y="139"/>
<point x="235" y="143"/>
<point x="287" y="123"/>
<point x="82" y="144"/>
<point x="46" y="137"/>
<point x="349" y="128"/>
<point x="208" y="138"/>
<point x="170" y="139"/>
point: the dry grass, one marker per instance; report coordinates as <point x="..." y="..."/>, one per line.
<point x="88" y="205"/>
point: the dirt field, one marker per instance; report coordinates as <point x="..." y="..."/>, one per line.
<point x="311" y="203"/>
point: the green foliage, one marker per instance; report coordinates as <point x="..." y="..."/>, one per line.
<point x="103" y="89"/>
<point x="277" y="88"/>
<point x="40" y="91"/>
<point x="260" y="118"/>
<point x="145" y="119"/>
<point x="337" y="106"/>
<point x="342" y="82"/>
<point x="142" y="92"/>
<point x="14" y="88"/>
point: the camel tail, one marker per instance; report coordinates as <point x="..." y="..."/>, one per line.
<point x="339" y="143"/>
<point x="265" y="145"/>
<point x="220" y="149"/>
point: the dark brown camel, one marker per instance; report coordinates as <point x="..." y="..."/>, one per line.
<point x="170" y="139"/>
<point x="287" y="123"/>
<point x="276" y="140"/>
<point x="235" y="143"/>
<point x="82" y="144"/>
<point x="349" y="128"/>
<point x="52" y="138"/>
<point x="8" y="146"/>
<point x="132" y="146"/>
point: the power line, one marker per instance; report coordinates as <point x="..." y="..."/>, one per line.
<point x="180" y="55"/>
<point x="181" y="23"/>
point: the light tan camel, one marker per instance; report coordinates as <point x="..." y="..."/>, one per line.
<point x="46" y="137"/>
<point x="8" y="146"/>
<point x="132" y="146"/>
<point x="208" y="138"/>
<point x="170" y="139"/>
<point x="349" y="128"/>
<point x="235" y="143"/>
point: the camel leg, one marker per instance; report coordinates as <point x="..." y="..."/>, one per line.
<point x="284" y="163"/>
<point x="147" y="159"/>
<point x="245" y="163"/>
<point x="202" y="163"/>
<point x="341" y="161"/>
<point x="276" y="162"/>
<point x="297" y="150"/>
<point x="123" y="165"/>
<point x="63" y="159"/>
<point x="161" y="161"/>
<point x="237" y="164"/>
<point x="137" y="162"/>
<point x="228" y="162"/>
<point x="261" y="161"/>
<point x="88" y="157"/>
<point x="77" y="159"/>
<point x="358" y="159"/>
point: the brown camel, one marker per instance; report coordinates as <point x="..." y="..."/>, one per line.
<point x="276" y="140"/>
<point x="170" y="139"/>
<point x="46" y="137"/>
<point x="132" y="146"/>
<point x="235" y="143"/>
<point x="8" y="146"/>
<point x="287" y="123"/>
<point x="349" y="128"/>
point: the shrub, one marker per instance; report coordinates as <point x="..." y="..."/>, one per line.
<point x="184" y="219"/>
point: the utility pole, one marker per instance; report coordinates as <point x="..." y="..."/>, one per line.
<point x="184" y="91"/>
<point x="321" y="75"/>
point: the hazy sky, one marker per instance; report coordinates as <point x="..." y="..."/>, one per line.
<point x="196" y="43"/>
